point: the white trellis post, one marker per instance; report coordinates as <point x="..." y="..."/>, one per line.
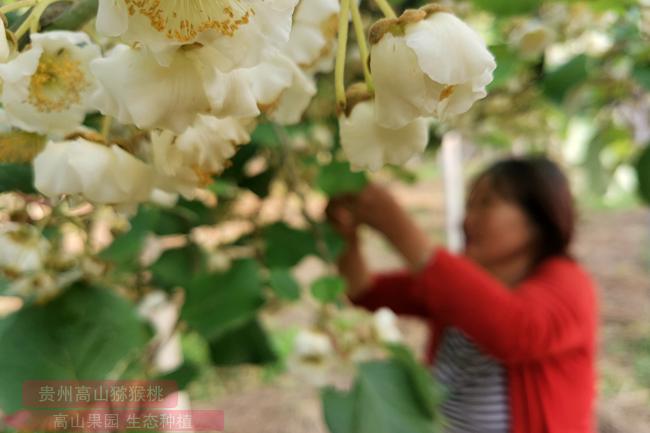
<point x="454" y="188"/>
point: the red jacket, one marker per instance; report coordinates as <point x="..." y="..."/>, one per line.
<point x="544" y="331"/>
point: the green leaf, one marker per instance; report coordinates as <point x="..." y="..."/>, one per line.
<point x="17" y="178"/>
<point x="557" y="84"/>
<point x="508" y="64"/>
<point x="328" y="288"/>
<point x="382" y="400"/>
<point x="82" y="335"/>
<point x="338" y="409"/>
<point x="643" y="174"/>
<point x="124" y="251"/>
<point x="508" y="7"/>
<point x="334" y="242"/>
<point x="183" y="217"/>
<point x="76" y="16"/>
<point x="642" y="75"/>
<point x="283" y="284"/>
<point x="429" y="393"/>
<point x="4" y="284"/>
<point x="246" y="344"/>
<point x="286" y="246"/>
<point x="265" y="135"/>
<point x="217" y="302"/>
<point x="337" y="178"/>
<point x="176" y="266"/>
<point x="223" y="188"/>
<point x="259" y="184"/>
<point x="183" y="375"/>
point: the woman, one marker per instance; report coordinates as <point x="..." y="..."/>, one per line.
<point x="513" y="319"/>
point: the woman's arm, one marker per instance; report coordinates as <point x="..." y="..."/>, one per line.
<point x="377" y="208"/>
<point x="392" y="289"/>
<point x="353" y="268"/>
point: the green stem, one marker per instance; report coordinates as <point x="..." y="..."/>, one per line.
<point x="20" y="32"/>
<point x="385" y="8"/>
<point x="107" y="122"/>
<point x="17" y="5"/>
<point x="36" y="14"/>
<point x="363" y="46"/>
<point x="339" y="70"/>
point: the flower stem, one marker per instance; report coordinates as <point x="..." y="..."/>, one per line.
<point x="32" y="21"/>
<point x="107" y="122"/>
<point x="37" y="12"/>
<point x="385" y="8"/>
<point x="361" y="41"/>
<point x="17" y="5"/>
<point x="339" y="70"/>
<point x="23" y="27"/>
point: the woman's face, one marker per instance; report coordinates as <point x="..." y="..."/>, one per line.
<point x="496" y="230"/>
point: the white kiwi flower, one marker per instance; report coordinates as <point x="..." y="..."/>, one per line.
<point x="100" y="173"/>
<point x="46" y="88"/>
<point x="369" y="145"/>
<point x="22" y="248"/>
<point x="282" y="90"/>
<point x="531" y="38"/>
<point x="385" y="327"/>
<point x="313" y="32"/>
<point x="136" y="89"/>
<point x="425" y="63"/>
<point x="164" y="25"/>
<point x="189" y="160"/>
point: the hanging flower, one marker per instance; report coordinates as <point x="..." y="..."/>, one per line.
<point x="282" y="90"/>
<point x="368" y="145"/>
<point x="22" y="249"/>
<point x="100" y="173"/>
<point x="427" y="63"/>
<point x="313" y="358"/>
<point x="46" y="88"/>
<point x="136" y="89"/>
<point x="164" y="25"/>
<point x="531" y="38"/>
<point x="190" y="159"/>
<point x="385" y="326"/>
<point x="313" y="33"/>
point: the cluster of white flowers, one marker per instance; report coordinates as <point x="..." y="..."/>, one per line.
<point x="425" y="64"/>
<point x="195" y="76"/>
<point x="35" y="268"/>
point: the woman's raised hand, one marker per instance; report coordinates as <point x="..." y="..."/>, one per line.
<point x="341" y="216"/>
<point x="377" y="208"/>
<point x="373" y="206"/>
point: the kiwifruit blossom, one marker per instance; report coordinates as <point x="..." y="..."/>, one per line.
<point x="427" y="62"/>
<point x="46" y="87"/>
<point x="369" y="145"/>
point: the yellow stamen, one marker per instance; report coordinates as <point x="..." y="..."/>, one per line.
<point x="184" y="20"/>
<point x="446" y="92"/>
<point x="58" y="82"/>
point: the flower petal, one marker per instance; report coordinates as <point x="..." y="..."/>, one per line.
<point x="402" y="91"/>
<point x="448" y="50"/>
<point x="368" y="145"/>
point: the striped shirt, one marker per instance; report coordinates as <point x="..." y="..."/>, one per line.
<point x="478" y="399"/>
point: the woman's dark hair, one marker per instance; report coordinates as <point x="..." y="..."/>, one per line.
<point x="539" y="187"/>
